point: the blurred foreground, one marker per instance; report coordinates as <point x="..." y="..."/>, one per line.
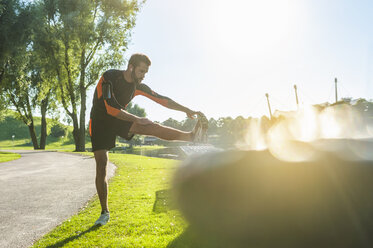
<point x="321" y="198"/>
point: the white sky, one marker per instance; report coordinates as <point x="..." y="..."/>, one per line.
<point x="221" y="57"/>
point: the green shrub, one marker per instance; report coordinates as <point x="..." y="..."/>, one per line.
<point x="58" y="130"/>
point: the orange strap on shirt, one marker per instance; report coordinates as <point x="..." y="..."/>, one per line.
<point x="90" y="127"/>
<point x="111" y="110"/>
<point x="99" y="87"/>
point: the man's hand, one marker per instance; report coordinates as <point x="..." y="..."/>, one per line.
<point x="192" y="114"/>
<point x="143" y="121"/>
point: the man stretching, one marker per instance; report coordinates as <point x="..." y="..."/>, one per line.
<point x="109" y="119"/>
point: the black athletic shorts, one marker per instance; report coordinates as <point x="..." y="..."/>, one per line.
<point x="104" y="132"/>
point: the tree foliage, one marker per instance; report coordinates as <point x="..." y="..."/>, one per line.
<point x="26" y="82"/>
<point x="15" y="29"/>
<point x="136" y="110"/>
<point x="58" y="130"/>
<point x="82" y="39"/>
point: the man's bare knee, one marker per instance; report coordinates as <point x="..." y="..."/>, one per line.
<point x="101" y="158"/>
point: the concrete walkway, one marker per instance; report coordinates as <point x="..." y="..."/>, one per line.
<point x="39" y="191"/>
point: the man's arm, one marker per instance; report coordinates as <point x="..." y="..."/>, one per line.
<point x="145" y="90"/>
<point x="174" y="105"/>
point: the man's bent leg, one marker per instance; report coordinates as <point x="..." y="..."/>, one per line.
<point x="162" y="132"/>
<point x="101" y="157"/>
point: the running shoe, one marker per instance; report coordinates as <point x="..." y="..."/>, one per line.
<point x="196" y="133"/>
<point x="104" y="218"/>
<point x="200" y="130"/>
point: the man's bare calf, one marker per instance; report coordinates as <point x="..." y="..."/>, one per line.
<point x="102" y="159"/>
<point x="162" y="132"/>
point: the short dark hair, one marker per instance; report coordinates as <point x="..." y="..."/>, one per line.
<point x="137" y="58"/>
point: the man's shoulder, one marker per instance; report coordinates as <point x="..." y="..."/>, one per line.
<point x="113" y="75"/>
<point x="112" y="72"/>
<point x="143" y="87"/>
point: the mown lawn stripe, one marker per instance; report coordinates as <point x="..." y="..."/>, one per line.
<point x="8" y="156"/>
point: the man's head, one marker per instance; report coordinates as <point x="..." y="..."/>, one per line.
<point x="138" y="65"/>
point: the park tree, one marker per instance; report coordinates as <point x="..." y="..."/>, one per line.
<point x="16" y="76"/>
<point x="17" y="86"/>
<point x="188" y="124"/>
<point x="27" y="90"/>
<point x="239" y="128"/>
<point x="225" y="131"/>
<point x="136" y="110"/>
<point x="15" y="34"/>
<point x="83" y="38"/>
<point x="44" y="85"/>
<point x="15" y="31"/>
<point x="172" y="123"/>
<point x="213" y="126"/>
<point x="364" y="107"/>
<point x="26" y="81"/>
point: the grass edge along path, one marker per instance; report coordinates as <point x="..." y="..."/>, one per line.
<point x="8" y="156"/>
<point x="131" y="198"/>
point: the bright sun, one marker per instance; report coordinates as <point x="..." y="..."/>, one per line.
<point x="250" y="27"/>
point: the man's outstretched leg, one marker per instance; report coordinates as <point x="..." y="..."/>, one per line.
<point x="166" y="133"/>
<point x="101" y="157"/>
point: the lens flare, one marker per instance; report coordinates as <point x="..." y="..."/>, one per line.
<point x="286" y="149"/>
<point x="292" y="136"/>
<point x="330" y="128"/>
<point x="255" y="138"/>
<point x="342" y="122"/>
<point x="304" y="127"/>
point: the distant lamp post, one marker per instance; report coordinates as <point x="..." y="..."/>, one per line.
<point x="269" y="106"/>
<point x="296" y="95"/>
<point x="13" y="136"/>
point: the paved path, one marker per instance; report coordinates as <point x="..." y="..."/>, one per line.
<point x="39" y="191"/>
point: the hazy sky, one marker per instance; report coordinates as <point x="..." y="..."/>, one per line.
<point x="221" y="57"/>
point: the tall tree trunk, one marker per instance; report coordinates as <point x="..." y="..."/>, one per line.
<point x="31" y="126"/>
<point x="34" y="140"/>
<point x="26" y="117"/>
<point x="70" y="89"/>
<point x="43" y="130"/>
<point x="83" y="99"/>
<point x="76" y="133"/>
<point x="82" y="120"/>
<point x="2" y="73"/>
<point x="1" y="77"/>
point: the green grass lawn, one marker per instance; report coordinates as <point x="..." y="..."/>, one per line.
<point x="22" y="144"/>
<point x="131" y="199"/>
<point x="65" y="144"/>
<point x="52" y="144"/>
<point x="147" y="148"/>
<point x="8" y="156"/>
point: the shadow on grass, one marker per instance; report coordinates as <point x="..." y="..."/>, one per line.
<point x="163" y="201"/>
<point x="191" y="238"/>
<point x="72" y="238"/>
<point x="27" y="144"/>
<point x="68" y="142"/>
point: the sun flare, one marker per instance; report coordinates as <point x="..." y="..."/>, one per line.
<point x="251" y="26"/>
